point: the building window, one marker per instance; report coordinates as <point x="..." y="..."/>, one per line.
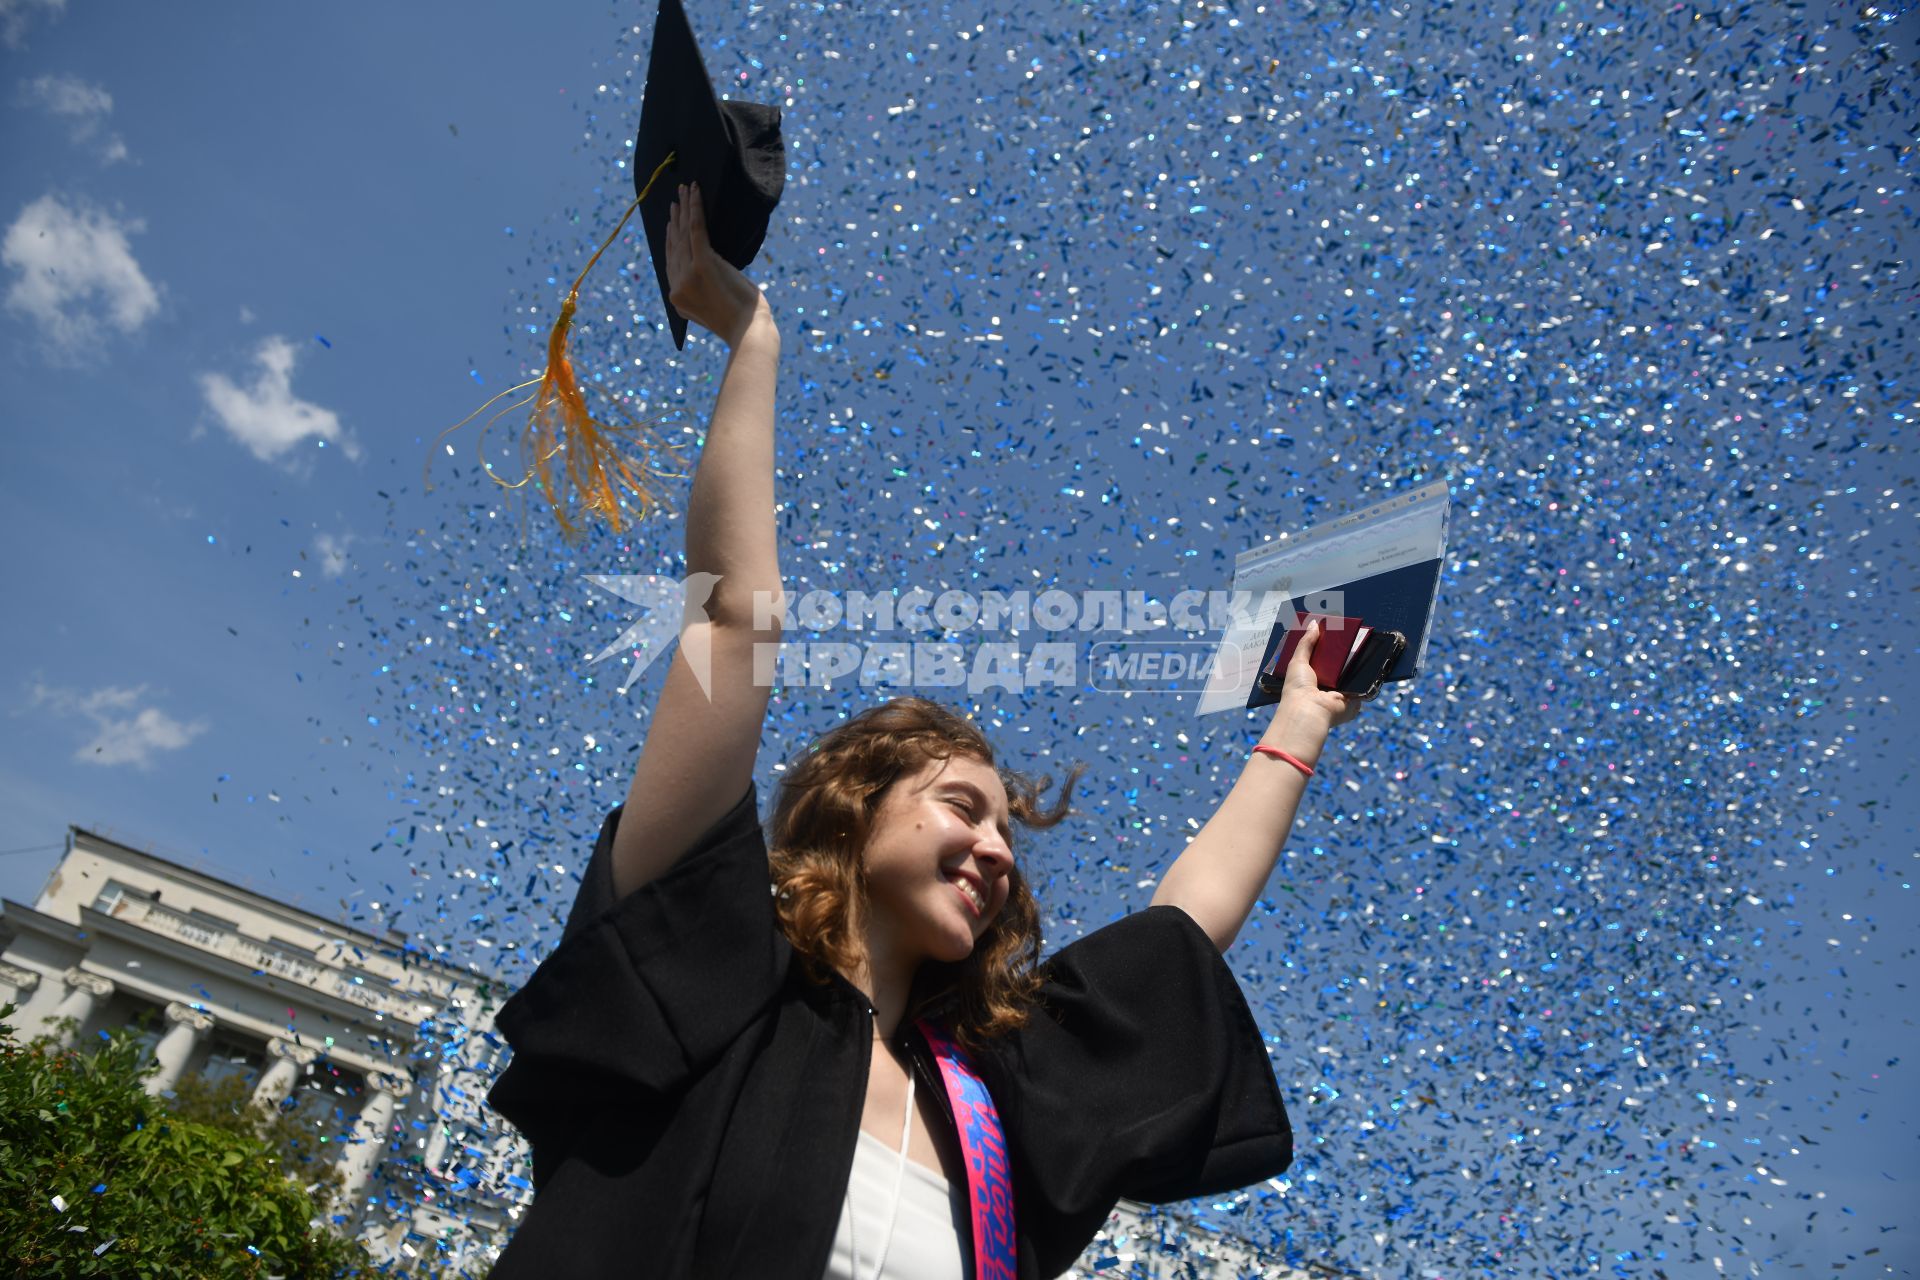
<point x="326" y="1100"/>
<point x="146" y="1020"/>
<point x="116" y="895"/>
<point x="230" y="1055"/>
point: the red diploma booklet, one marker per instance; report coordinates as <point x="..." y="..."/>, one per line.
<point x="1337" y="638"/>
<point x="1349" y="655"/>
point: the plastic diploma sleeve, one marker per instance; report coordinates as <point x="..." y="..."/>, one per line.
<point x="1381" y="564"/>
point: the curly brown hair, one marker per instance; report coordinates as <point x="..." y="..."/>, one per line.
<point x="817" y="839"/>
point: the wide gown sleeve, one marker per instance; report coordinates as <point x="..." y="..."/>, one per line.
<point x="645" y="992"/>
<point x="1142" y="1076"/>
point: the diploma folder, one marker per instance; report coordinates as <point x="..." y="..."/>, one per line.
<point x="1380" y="564"/>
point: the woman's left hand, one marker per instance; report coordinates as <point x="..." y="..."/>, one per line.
<point x="1307" y="712"/>
<point x="1224" y="869"/>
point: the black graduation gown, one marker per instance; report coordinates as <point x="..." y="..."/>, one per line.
<point x="693" y="1100"/>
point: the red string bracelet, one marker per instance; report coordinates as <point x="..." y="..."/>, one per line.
<point x="1293" y="760"/>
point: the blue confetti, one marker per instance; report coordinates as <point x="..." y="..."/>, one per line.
<point x="1102" y="314"/>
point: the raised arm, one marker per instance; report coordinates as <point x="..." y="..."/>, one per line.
<point x="1219" y="875"/>
<point x="698" y="756"/>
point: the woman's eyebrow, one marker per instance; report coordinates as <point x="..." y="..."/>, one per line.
<point x="980" y="797"/>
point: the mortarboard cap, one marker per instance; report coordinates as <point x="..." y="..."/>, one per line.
<point x="732" y="149"/>
<point x="590" y="467"/>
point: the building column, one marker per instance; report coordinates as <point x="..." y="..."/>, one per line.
<point x="31" y="1017"/>
<point x="189" y="1027"/>
<point x="437" y="1141"/>
<point x="371" y="1130"/>
<point x="18" y="982"/>
<point x="280" y="1078"/>
<point x="84" y="992"/>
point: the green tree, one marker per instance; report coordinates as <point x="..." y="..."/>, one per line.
<point x="228" y="1104"/>
<point x="98" y="1178"/>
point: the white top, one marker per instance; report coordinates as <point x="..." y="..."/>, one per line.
<point x="925" y="1244"/>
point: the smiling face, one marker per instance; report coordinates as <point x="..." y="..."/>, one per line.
<point x="937" y="858"/>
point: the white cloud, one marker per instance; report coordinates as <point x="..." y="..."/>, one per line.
<point x="85" y="108"/>
<point x="125" y="732"/>
<point x="333" y="553"/>
<point x="266" y="416"/>
<point x="68" y="96"/>
<point x="17" y="15"/>
<point x="75" y="275"/>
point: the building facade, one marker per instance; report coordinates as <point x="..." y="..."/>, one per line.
<point x="384" y="1053"/>
<point x="382" y="1050"/>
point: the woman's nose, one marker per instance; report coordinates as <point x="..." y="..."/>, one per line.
<point x="995" y="858"/>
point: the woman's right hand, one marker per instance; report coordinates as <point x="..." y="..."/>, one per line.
<point x="703" y="286"/>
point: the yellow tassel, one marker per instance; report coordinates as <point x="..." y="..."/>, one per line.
<point x="595" y="473"/>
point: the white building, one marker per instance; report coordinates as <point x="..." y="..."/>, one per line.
<point x="331" y="1022"/>
<point x="346" y="1028"/>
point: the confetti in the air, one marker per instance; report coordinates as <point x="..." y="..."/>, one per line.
<point x="1093" y="297"/>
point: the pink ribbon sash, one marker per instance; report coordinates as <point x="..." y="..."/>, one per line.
<point x="983" y="1147"/>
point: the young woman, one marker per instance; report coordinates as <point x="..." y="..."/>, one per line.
<point x="737" y="1062"/>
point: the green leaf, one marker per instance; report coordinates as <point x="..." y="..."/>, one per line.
<point x="208" y="1171"/>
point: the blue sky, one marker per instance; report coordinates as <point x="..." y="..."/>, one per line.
<point x="254" y="258"/>
<point x="282" y="184"/>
